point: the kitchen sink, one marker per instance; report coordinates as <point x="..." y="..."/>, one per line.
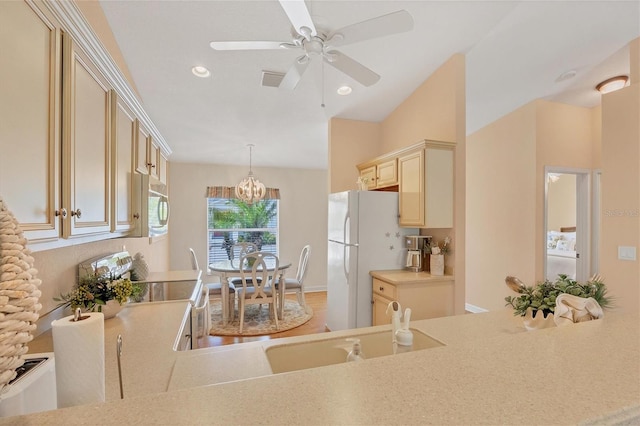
<point x="319" y="353"/>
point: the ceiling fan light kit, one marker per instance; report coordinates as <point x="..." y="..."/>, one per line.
<point x="320" y="42"/>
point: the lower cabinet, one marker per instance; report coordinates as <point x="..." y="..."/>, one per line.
<point x="427" y="298"/>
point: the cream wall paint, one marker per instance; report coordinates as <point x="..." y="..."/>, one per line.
<point x="621" y="194"/>
<point x="563" y="138"/>
<point x="501" y="206"/>
<point x="303" y="213"/>
<point x="561" y="203"/>
<point x="435" y="110"/>
<point x="351" y="142"/>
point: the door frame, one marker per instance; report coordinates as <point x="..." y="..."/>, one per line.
<point x="583" y="218"/>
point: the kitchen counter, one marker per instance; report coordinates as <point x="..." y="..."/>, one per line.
<point x="403" y="276"/>
<point x="149" y="332"/>
<point x="490" y="371"/>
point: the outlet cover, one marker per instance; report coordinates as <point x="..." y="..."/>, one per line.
<point x="626" y="253"/>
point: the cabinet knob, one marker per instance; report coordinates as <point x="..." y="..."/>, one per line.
<point x="151" y="164"/>
<point x="62" y="212"/>
<point x="77" y="213"/>
<point x="136" y="215"/>
<point x="381" y="288"/>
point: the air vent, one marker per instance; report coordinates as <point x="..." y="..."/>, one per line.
<point x="271" y="78"/>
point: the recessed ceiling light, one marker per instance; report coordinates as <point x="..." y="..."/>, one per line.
<point x="566" y="75"/>
<point x="344" y="90"/>
<point x="200" y="71"/>
<point x="612" y="84"/>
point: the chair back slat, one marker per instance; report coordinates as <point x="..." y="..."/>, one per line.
<point x="302" y="264"/>
<point x="258" y="275"/>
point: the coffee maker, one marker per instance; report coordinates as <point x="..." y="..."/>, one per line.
<point x="415" y="245"/>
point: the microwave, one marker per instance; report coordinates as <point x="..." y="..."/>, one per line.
<point x="153" y="206"/>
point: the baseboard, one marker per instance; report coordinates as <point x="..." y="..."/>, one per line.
<point x="314" y="289"/>
<point x="474" y="309"/>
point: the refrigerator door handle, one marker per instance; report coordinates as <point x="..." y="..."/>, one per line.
<point x="344" y="244"/>
<point x="345" y="261"/>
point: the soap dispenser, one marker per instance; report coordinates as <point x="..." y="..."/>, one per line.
<point x="356" y="352"/>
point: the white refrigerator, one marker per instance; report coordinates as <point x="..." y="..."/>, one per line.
<point x="364" y="235"/>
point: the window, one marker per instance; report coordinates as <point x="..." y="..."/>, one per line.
<point x="230" y="220"/>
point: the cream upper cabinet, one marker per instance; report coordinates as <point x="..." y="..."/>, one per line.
<point x="30" y="118"/>
<point x="153" y="158"/>
<point x="381" y="172"/>
<point x="164" y="169"/>
<point x="143" y="139"/>
<point x="149" y="158"/>
<point x="425" y="185"/>
<point x="368" y="175"/>
<point x="123" y="144"/>
<point x="86" y="144"/>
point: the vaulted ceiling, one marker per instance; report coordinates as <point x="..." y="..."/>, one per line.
<point x="515" y="51"/>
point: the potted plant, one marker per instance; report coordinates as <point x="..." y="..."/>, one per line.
<point x="542" y="297"/>
<point x="93" y="293"/>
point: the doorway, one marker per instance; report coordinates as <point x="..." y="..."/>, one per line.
<point x="567" y="223"/>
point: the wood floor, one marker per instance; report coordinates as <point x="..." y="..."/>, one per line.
<point x="316" y="300"/>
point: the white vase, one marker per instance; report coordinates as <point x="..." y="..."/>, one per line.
<point x="535" y="320"/>
<point x="437" y="264"/>
<point x="111" y="309"/>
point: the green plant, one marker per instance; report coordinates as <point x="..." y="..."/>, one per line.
<point x="92" y="292"/>
<point x="543" y="295"/>
<point x="246" y="216"/>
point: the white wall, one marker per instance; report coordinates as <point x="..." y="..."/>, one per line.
<point x="303" y="213"/>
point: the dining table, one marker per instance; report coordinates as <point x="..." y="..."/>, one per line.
<point x="229" y="269"/>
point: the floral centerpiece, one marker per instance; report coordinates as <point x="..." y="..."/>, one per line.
<point x="542" y="296"/>
<point x="93" y="292"/>
<point x="443" y="247"/>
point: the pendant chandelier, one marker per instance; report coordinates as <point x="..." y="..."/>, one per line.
<point x="250" y="189"/>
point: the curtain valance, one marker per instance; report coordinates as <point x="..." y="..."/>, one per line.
<point x="230" y="192"/>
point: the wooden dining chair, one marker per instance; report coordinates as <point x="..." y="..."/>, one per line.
<point x="215" y="289"/>
<point x="238" y="251"/>
<point x="257" y="284"/>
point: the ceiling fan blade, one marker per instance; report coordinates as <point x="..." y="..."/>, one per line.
<point x="293" y="75"/>
<point x="298" y="14"/>
<point x="392" y="23"/>
<point x="247" y="45"/>
<point x="352" y="68"/>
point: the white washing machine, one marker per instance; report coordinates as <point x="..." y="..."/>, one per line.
<point x="34" y="389"/>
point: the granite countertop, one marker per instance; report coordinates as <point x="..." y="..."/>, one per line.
<point x="149" y="331"/>
<point x="403" y="276"/>
<point x="490" y="371"/>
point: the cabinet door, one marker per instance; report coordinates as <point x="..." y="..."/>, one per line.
<point x="411" y="189"/>
<point x="29" y="118"/>
<point x="379" y="310"/>
<point x="164" y="169"/>
<point x="86" y="144"/>
<point x="438" y="187"/>
<point x="123" y="134"/>
<point x="154" y="159"/>
<point x="387" y="173"/>
<point x="368" y="175"/>
<point x="143" y="139"/>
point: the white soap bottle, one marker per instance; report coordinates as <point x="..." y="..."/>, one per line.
<point x="356" y="352"/>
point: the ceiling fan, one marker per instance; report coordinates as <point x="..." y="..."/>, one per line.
<point x="315" y="41"/>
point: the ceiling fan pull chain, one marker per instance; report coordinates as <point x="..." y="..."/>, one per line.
<point x="322" y="88"/>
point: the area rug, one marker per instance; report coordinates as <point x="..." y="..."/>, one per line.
<point x="257" y="321"/>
